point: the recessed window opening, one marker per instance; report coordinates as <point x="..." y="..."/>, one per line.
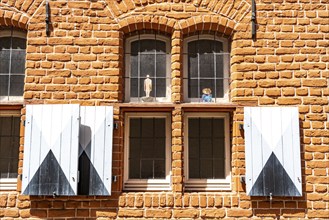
<point x="147" y="68"/>
<point x="206" y="58"/>
<point x="12" y="64"/>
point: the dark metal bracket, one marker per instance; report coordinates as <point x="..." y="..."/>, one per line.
<point x="47" y="18"/>
<point x="253" y="20"/>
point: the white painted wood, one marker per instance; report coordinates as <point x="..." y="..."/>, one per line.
<point x="272" y="130"/>
<point x="97" y="129"/>
<point x="55" y="128"/>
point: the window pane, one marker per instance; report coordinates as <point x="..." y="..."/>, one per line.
<point x="159" y="169"/>
<point x="4" y="81"/>
<point x="134" y="88"/>
<point x="9" y="146"/>
<point x="160" y="87"/>
<point x="147" y="45"/>
<point x="194" y="89"/>
<point x="206" y="147"/>
<point x="16" y="85"/>
<point x="219" y="88"/>
<point x="19" y="43"/>
<point x="151" y="142"/>
<point x="160" y="47"/>
<point x="207" y="65"/>
<point x="193" y="65"/>
<point x="220" y="65"/>
<point x="5" y="43"/>
<point x="147" y="169"/>
<point x="134" y="66"/>
<point x="147" y="65"/>
<point x="161" y="65"/>
<point x="4" y="61"/>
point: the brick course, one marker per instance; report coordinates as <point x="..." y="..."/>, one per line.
<point x="82" y="62"/>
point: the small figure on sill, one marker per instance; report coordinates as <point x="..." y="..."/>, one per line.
<point x="147" y="89"/>
<point x="206" y="96"/>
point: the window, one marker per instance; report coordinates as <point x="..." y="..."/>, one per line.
<point x="206" y="59"/>
<point x="9" y="147"/>
<point x="207" y="154"/>
<point x="148" y="69"/>
<point x="12" y="65"/>
<point x="147" y="151"/>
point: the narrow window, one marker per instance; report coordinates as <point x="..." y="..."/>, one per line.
<point x="207" y="153"/>
<point x="9" y="147"/>
<point x="207" y="65"/>
<point x="147" y="151"/>
<point x="147" y="69"/>
<point x="12" y="65"/>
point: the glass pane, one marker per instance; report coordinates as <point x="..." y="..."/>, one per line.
<point x="219" y="148"/>
<point x="19" y="43"/>
<point x="16" y="85"/>
<point x="194" y="171"/>
<point x="5" y="126"/>
<point x="134" y="48"/>
<point x="147" y="150"/>
<point x="5" y="43"/>
<point x="133" y="65"/>
<point x="147" y="127"/>
<point x="160" y="88"/>
<point x="194" y="148"/>
<point x="160" y="47"/>
<point x="135" y="127"/>
<point x="219" y="127"/>
<point x="193" y="127"/>
<point x="192" y="65"/>
<point x="206" y="168"/>
<point x="192" y="49"/>
<point x="160" y="148"/>
<point x="219" y="169"/>
<point x="207" y="65"/>
<point x="147" y="65"/>
<point x="206" y="148"/>
<point x="219" y="65"/>
<point x="159" y="169"/>
<point x="193" y="89"/>
<point x="161" y="65"/>
<point x="205" y="127"/>
<point x="134" y="88"/>
<point x="134" y="148"/>
<point x="220" y="88"/>
<point x="147" y="45"/>
<point x="147" y="169"/>
<point x="134" y="168"/>
<point x="5" y="142"/>
<point x="4" y="61"/>
<point x="205" y="46"/>
<point x="160" y="125"/>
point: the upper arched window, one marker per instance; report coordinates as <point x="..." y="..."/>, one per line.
<point x="206" y="72"/>
<point x="12" y="65"/>
<point x="147" y="69"/>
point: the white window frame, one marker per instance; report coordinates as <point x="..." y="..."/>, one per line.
<point x="147" y="184"/>
<point x="128" y="71"/>
<point x="19" y="34"/>
<point x="208" y="184"/>
<point x="9" y="184"/>
<point x="226" y="71"/>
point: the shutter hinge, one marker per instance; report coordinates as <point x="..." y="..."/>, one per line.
<point x="242" y="179"/>
<point x="24" y="123"/>
<point x="114" y="179"/>
<point x="115" y="125"/>
<point x="241" y="126"/>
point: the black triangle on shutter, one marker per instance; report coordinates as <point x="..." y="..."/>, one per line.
<point x="49" y="179"/>
<point x="90" y="182"/>
<point x="274" y="179"/>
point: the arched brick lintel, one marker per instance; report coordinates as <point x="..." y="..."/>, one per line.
<point x="217" y="24"/>
<point x="13" y="19"/>
<point x="142" y="22"/>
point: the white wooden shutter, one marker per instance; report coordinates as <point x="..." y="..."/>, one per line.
<point x="51" y="150"/>
<point x="272" y="146"/>
<point x="95" y="150"/>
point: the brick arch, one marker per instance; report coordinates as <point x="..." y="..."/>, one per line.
<point x="13" y="18"/>
<point x="201" y="23"/>
<point x="142" y="22"/>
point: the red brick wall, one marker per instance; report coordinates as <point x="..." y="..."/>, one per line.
<point x="82" y="62"/>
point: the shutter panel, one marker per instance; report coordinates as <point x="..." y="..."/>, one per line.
<point x="95" y="150"/>
<point x="272" y="146"/>
<point x="51" y="150"/>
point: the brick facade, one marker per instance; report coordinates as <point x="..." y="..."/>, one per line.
<point x="82" y="62"/>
